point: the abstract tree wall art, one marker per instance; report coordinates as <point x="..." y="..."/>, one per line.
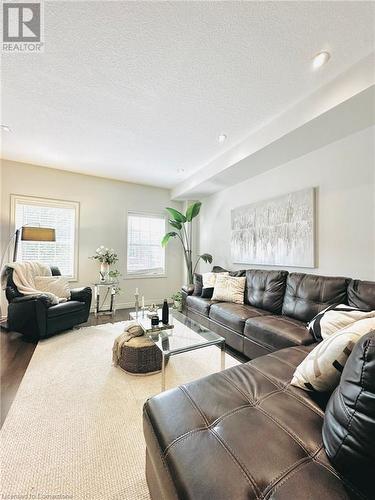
<point x="279" y="231"/>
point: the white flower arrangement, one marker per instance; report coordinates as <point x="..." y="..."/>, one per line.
<point x="105" y="255"/>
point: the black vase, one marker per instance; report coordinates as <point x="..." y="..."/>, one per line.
<point x="165" y="313"/>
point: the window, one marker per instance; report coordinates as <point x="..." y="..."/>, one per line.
<point x="60" y="215"/>
<point x="146" y="256"/>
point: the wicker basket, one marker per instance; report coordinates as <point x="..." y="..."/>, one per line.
<point x="140" y="356"/>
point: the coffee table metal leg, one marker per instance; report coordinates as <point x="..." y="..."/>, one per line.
<point x="222" y="360"/>
<point x="163" y="363"/>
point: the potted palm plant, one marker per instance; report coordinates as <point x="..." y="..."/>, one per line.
<point x="183" y="224"/>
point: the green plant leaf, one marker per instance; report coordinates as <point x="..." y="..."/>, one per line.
<point x="193" y="211"/>
<point x="167" y="237"/>
<point x="206" y="257"/>
<point x="176" y="215"/>
<point x="175" y="224"/>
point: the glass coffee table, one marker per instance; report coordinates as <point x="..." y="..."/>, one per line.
<point x="186" y="335"/>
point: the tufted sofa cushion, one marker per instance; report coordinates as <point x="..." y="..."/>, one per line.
<point x="265" y="289"/>
<point x="243" y="433"/>
<point x="199" y="304"/>
<point x="233" y="316"/>
<point x="308" y="294"/>
<point x="277" y="332"/>
<point x="349" y="423"/>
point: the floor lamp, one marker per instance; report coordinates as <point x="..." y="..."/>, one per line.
<point x="27" y="233"/>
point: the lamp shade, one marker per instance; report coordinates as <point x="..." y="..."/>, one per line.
<point x="30" y="233"/>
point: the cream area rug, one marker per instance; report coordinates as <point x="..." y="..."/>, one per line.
<point x="74" y="430"/>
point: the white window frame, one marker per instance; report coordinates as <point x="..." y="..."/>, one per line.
<point x="139" y="275"/>
<point x="16" y="198"/>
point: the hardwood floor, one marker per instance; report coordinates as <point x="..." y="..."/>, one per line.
<point x="16" y="353"/>
<point x="15" y="356"/>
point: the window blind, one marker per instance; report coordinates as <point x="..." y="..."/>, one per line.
<point x="145" y="254"/>
<point x="62" y="217"/>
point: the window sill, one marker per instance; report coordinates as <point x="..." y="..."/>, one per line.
<point x="144" y="276"/>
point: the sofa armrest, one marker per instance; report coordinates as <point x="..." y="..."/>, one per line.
<point x="40" y="297"/>
<point x="188" y="289"/>
<point x="83" y="294"/>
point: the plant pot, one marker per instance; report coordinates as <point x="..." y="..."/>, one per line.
<point x="177" y="305"/>
<point x="104" y="271"/>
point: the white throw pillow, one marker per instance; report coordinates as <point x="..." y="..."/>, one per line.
<point x="229" y="289"/>
<point x="334" y="318"/>
<point x="58" y="285"/>
<point x="322" y="367"/>
<point x="209" y="279"/>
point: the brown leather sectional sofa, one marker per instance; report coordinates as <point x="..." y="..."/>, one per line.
<point x="246" y="433"/>
<point x="277" y="307"/>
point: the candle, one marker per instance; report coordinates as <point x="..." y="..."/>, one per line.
<point x="143" y="301"/>
<point x="136" y="291"/>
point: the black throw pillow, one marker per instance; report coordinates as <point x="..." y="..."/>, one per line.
<point x="235" y="274"/>
<point x="198" y="284"/>
<point x="207" y="293"/>
<point x="219" y="269"/>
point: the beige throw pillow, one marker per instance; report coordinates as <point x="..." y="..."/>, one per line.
<point x="229" y="289"/>
<point x="209" y="279"/>
<point x="58" y="285"/>
<point x="322" y="367"/>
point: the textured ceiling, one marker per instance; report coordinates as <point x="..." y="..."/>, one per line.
<point x="139" y="90"/>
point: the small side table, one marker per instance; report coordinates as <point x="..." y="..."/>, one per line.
<point x="109" y="287"/>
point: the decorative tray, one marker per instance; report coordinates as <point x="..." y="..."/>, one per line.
<point x="145" y="323"/>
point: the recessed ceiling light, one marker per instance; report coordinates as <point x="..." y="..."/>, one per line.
<point x="6" y="128"/>
<point x="222" y="138"/>
<point x="320" y="59"/>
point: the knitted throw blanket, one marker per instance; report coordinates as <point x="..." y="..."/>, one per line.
<point x="132" y="329"/>
<point x="24" y="274"/>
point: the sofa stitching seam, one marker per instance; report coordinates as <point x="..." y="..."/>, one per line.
<point x="296" y="348"/>
<point x="247" y="397"/>
<point x="236" y="460"/>
<point x="342" y="404"/>
<point x="282" y="360"/>
<point x="194" y="404"/>
<point x="183" y="437"/>
<point x="280" y="480"/>
<point x="294" y="437"/>
<point x="253" y="402"/>
<point x="207" y="427"/>
<point x="291" y="471"/>
<point x="272" y="381"/>
<point x="229" y="451"/>
<point x="300" y="400"/>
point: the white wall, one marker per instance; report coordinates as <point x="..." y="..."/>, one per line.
<point x="103" y="207"/>
<point x="343" y="173"/>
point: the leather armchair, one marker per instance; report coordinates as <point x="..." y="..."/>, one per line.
<point x="35" y="317"/>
